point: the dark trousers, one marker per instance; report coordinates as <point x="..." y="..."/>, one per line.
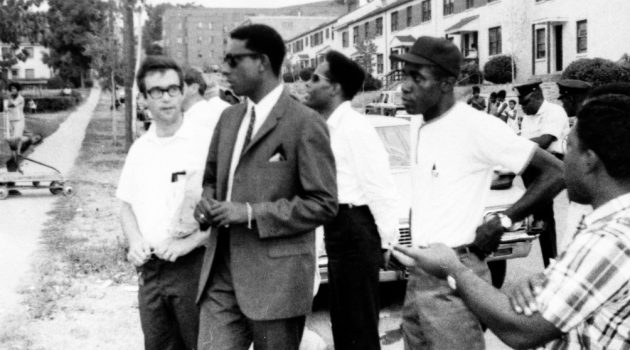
<point x="353" y="246"/>
<point x="222" y="324"/>
<point x="543" y="218"/>
<point x="166" y="298"/>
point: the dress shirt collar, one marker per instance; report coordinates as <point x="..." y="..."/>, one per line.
<point x="608" y="209"/>
<point x="335" y="118"/>
<point x="265" y="105"/>
<point x="543" y="108"/>
<point x="446" y="113"/>
<point x="182" y="132"/>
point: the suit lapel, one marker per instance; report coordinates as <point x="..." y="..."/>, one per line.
<point x="229" y="139"/>
<point x="270" y="123"/>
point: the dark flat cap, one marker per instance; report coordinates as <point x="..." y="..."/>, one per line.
<point x="433" y="51"/>
<point x="573" y="86"/>
<point x="528" y="87"/>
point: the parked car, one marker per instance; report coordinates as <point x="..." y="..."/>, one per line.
<point x="388" y="103"/>
<point x="394" y="133"/>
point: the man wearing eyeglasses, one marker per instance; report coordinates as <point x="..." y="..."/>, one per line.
<point x="269" y="182"/>
<point x="367" y="222"/>
<point x="455" y="149"/>
<point x="159" y="186"/>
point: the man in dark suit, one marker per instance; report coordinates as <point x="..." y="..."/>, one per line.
<point x="269" y="181"/>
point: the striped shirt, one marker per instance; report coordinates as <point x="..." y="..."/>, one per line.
<point x="586" y="294"/>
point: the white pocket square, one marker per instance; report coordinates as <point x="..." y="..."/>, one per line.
<point x="276" y="158"/>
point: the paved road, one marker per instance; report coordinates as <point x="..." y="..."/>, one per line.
<point x="393" y="294"/>
<point x="22" y="218"/>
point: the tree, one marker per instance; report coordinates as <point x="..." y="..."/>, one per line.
<point x="18" y="22"/>
<point x="366" y="50"/>
<point x="75" y="26"/>
<point x="152" y="30"/>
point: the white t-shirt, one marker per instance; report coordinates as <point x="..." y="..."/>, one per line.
<point x="201" y="119"/>
<point x="551" y="119"/>
<point x="453" y="158"/>
<point x="161" y="180"/>
<point x="15" y="108"/>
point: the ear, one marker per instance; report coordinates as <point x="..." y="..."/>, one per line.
<point x="447" y="84"/>
<point x="336" y="89"/>
<point x="265" y="64"/>
<point x="592" y="162"/>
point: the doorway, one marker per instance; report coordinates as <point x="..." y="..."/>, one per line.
<point x="557" y="33"/>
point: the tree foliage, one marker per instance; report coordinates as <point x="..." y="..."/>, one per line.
<point x="75" y="27"/>
<point x="366" y="51"/>
<point x="498" y="69"/>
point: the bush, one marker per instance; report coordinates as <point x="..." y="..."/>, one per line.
<point x="470" y="74"/>
<point x="597" y="71"/>
<point x="55" y="103"/>
<point x="56" y="83"/>
<point x="498" y="70"/>
<point x="89" y="83"/>
<point x="288" y="77"/>
<point x="305" y="73"/>
<point x="371" y="83"/>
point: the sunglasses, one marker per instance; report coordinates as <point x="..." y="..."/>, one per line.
<point x="316" y="77"/>
<point x="157" y="92"/>
<point x="232" y="60"/>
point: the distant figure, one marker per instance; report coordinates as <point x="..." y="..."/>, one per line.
<point x="512" y="120"/>
<point x="32" y="106"/>
<point x="15" y="110"/>
<point x="492" y="104"/>
<point x="501" y="106"/>
<point x="476" y="101"/>
<point x="67" y="91"/>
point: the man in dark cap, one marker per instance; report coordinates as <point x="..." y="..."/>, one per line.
<point x="546" y="124"/>
<point x="454" y="151"/>
<point x="572" y="94"/>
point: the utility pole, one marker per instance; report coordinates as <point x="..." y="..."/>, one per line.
<point x="113" y="59"/>
<point x="130" y="63"/>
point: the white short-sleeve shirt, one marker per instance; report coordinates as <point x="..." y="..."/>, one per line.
<point x="551" y="119"/>
<point x="453" y="158"/>
<point x="161" y="180"/>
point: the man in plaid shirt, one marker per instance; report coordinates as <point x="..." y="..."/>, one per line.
<point x="582" y="301"/>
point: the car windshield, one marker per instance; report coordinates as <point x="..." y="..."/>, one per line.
<point x="396" y="141"/>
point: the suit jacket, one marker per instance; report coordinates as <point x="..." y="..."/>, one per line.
<point x="273" y="263"/>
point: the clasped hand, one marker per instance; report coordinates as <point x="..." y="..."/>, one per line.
<point x="216" y="214"/>
<point x="488" y="236"/>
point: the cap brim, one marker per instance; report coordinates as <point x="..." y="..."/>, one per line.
<point x="410" y="58"/>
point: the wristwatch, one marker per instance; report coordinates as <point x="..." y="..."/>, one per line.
<point x="505" y="220"/>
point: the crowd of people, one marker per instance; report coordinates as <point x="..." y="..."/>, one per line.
<point x="220" y="205"/>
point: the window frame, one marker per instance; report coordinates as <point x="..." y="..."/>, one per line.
<point x="425" y="12"/>
<point x="408" y="16"/>
<point x="541" y="45"/>
<point x="581" y="38"/>
<point x="494" y="41"/>
<point x="394" y="21"/>
<point x="379" y="26"/>
<point x="449" y="7"/>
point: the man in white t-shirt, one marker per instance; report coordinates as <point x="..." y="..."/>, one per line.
<point x="454" y="151"/>
<point x="547" y="124"/>
<point x="159" y="186"/>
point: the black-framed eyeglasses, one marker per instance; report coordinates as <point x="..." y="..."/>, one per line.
<point x="157" y="92"/>
<point x="316" y="77"/>
<point x="232" y="59"/>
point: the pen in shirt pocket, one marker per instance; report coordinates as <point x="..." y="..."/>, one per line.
<point x="434" y="171"/>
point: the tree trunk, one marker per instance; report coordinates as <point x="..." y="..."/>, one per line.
<point x="130" y="62"/>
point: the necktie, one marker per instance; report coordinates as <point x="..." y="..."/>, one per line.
<point x="250" y="130"/>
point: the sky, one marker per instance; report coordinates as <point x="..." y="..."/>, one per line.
<point x="237" y="3"/>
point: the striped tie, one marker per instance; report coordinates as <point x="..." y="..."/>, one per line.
<point x="250" y="130"/>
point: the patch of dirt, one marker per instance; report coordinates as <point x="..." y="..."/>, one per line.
<point x="83" y="292"/>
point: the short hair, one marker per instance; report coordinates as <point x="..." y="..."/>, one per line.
<point x="501" y="94"/>
<point x="476" y="89"/>
<point x="604" y="127"/>
<point x="160" y="64"/>
<point x="346" y="72"/>
<point x="193" y="76"/>
<point x="265" y="40"/>
<point x="15" y="85"/>
<point x="512" y="101"/>
<point x="493" y="95"/>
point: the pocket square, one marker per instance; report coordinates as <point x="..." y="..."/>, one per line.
<point x="278" y="157"/>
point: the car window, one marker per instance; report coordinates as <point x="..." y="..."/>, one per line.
<point x="396" y="141"/>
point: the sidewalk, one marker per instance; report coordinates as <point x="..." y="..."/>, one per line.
<point x="23" y="217"/>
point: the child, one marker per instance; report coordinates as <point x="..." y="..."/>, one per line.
<point x="512" y="121"/>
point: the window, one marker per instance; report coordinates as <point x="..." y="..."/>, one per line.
<point x="199" y="54"/>
<point x="541" y="49"/>
<point x="470" y="4"/>
<point x="199" y="39"/>
<point x="209" y="25"/>
<point x="448" y="7"/>
<point x="409" y="13"/>
<point x="5" y="52"/>
<point x="344" y="39"/>
<point x="394" y="21"/>
<point x="306" y="41"/>
<point x="327" y="33"/>
<point x="426" y="10"/>
<point x="179" y="40"/>
<point x="355" y="34"/>
<point x="200" y="25"/>
<point x="15" y="73"/>
<point x="379" y="63"/>
<point x="379" y="26"/>
<point x="367" y="30"/>
<point x="494" y="41"/>
<point x="581" y="36"/>
<point x="29" y="51"/>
